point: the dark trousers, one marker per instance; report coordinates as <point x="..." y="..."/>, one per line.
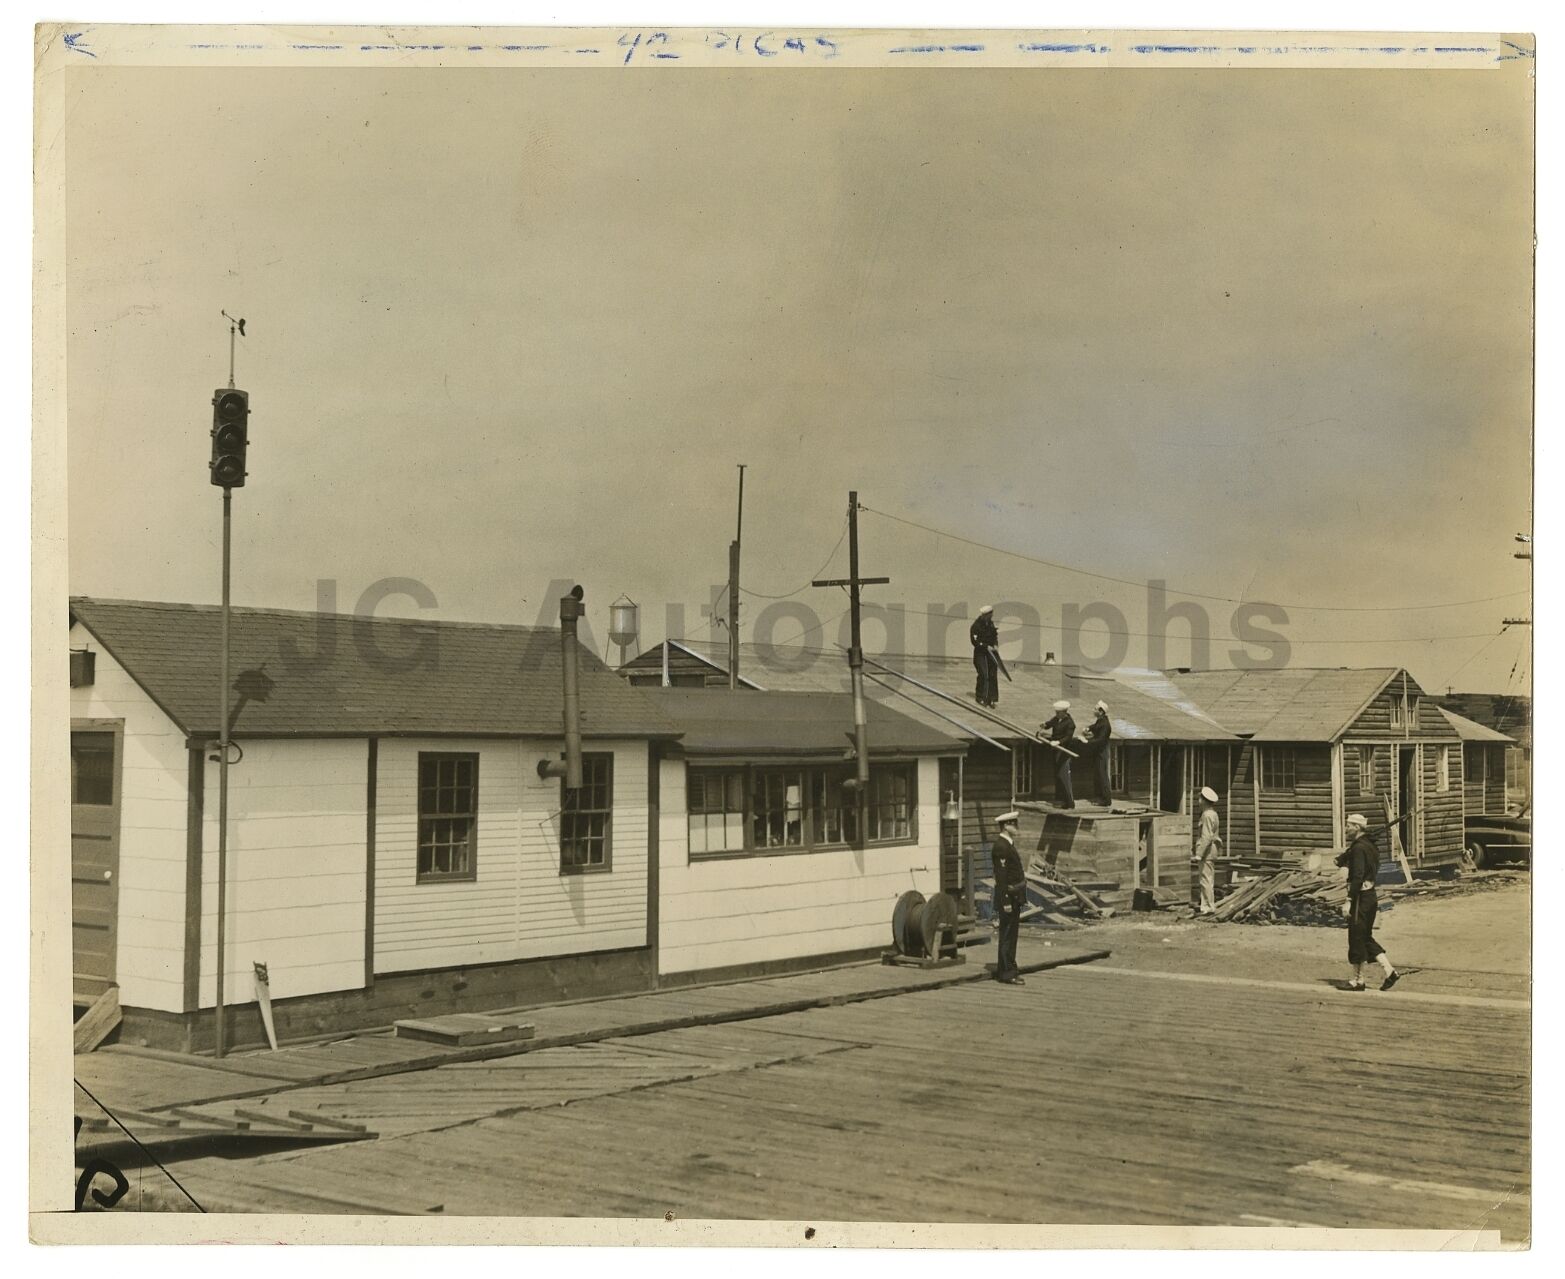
<point x="1100" y="765"/>
<point x="1063" y="798"/>
<point x="1362" y="946"/>
<point x="988" y="688"/>
<point x="1010" y="925"/>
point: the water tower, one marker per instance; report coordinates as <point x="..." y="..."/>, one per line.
<point x="625" y="626"/>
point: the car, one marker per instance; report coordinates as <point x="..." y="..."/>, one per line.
<point x="1490" y="838"/>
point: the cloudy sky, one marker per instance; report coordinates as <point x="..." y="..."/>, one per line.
<point x="1264" y="335"/>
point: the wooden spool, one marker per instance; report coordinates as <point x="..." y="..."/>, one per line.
<point x="907" y="928"/>
<point x="940" y="914"/>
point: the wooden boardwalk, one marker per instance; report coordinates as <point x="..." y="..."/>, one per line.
<point x="1087" y="1096"/>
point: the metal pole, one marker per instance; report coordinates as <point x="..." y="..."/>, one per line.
<point x="856" y="669"/>
<point x="733" y="590"/>
<point x="221" y="1036"/>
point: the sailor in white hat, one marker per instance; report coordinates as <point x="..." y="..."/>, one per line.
<point x="1207" y="846"/>
<point x="1062" y="732"/>
<point x="1010" y="895"/>
<point x="1097" y="749"/>
<point x="986" y="660"/>
<point x="1362" y="860"/>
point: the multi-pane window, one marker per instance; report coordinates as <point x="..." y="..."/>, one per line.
<point x="1443" y="770"/>
<point x="890" y="806"/>
<point x="587" y="818"/>
<point x="834" y="809"/>
<point x="777" y="808"/>
<point x="1022" y="767"/>
<point x="1116" y="769"/>
<point x="1277" y="768"/>
<point x="447" y="816"/>
<point x="1366" y="757"/>
<point x="92" y="768"/>
<point x="716" y="803"/>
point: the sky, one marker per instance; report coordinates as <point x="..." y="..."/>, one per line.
<point x="1263" y="335"/>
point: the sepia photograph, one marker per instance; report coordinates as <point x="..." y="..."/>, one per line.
<point x="823" y="631"/>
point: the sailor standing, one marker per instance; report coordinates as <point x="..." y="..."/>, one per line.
<point x="1206" y="848"/>
<point x="1010" y="892"/>
<point x="1098" y="734"/>
<point x="1362" y="860"/>
<point x="1062" y="732"/>
<point x="986" y="640"/>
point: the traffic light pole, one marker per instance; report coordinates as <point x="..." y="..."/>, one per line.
<point x="220" y="1045"/>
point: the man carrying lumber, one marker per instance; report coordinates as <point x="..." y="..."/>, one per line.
<point x="1206" y="847"/>
<point x="986" y="656"/>
<point x="1362" y="860"/>
<point x="1062" y="732"/>
<point x="1010" y="894"/>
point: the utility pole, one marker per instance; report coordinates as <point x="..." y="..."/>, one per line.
<point x="856" y="664"/>
<point x="733" y="591"/>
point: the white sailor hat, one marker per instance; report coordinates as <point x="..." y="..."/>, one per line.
<point x="1013" y="817"/>
<point x="1062" y="705"/>
<point x="1104" y="707"/>
<point x="986" y="608"/>
<point x="1208" y="794"/>
<point x="1359" y="820"/>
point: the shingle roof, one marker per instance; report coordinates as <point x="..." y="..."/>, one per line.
<point x="1289" y="705"/>
<point x="1027" y="700"/>
<point x="330" y="677"/>
<point x="720" y="721"/>
<point x="1470" y="731"/>
<point x="1508" y="713"/>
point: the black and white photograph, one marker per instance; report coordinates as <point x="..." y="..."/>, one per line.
<point x="843" y="634"/>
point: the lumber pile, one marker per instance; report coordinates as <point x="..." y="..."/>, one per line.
<point x="1286" y="897"/>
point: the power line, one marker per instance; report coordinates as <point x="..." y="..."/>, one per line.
<point x="761" y="595"/>
<point x="1224" y="599"/>
<point x="1477" y="652"/>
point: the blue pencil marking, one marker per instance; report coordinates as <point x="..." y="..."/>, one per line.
<point x="1462" y="49"/>
<point x="1174" y="48"/>
<point x="824" y="43"/>
<point x="755" y="43"/>
<point x="586" y="50"/>
<point x="307" y="47"/>
<point x="665" y="55"/>
<point x="1063" y="48"/>
<point x="794" y="43"/>
<point x="1521" y="52"/>
<point x="527" y="48"/>
<point x="940" y="48"/>
<point x="73" y="41"/>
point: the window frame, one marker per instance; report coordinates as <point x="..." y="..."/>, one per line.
<point x="112" y="777"/>
<point x="420" y="875"/>
<point x="1443" y="770"/>
<point x="1271" y="765"/>
<point x="606" y="866"/>
<point x="1024" y="771"/>
<point x="1116" y="769"/>
<point x="1368" y="758"/>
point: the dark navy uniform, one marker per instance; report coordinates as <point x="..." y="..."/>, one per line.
<point x="1010" y="894"/>
<point x="1098" y="734"/>
<point x="985" y="639"/>
<point x="1062" y="731"/>
<point x="1362" y="860"/>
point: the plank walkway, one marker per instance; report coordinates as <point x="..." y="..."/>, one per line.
<point x="1088" y="1096"/>
<point x="152" y="1080"/>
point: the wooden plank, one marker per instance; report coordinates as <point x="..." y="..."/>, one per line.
<point x="327" y="1121"/>
<point x="464" y="1030"/>
<point x="98" y="1022"/>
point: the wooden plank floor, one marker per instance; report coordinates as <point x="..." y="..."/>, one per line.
<point x="1083" y="1097"/>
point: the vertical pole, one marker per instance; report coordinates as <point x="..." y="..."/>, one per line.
<point x="856" y="669"/>
<point x="733" y="590"/>
<point x="220" y="1046"/>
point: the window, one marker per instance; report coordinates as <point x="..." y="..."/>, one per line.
<point x="587" y="818"/>
<point x="716" y="803"/>
<point x="1398" y="712"/>
<point x="447" y="817"/>
<point x="1116" y="769"/>
<point x="777" y="808"/>
<point x="92" y="768"/>
<point x="1022" y="770"/>
<point x="1514" y="779"/>
<point x="1277" y="768"/>
<point x="891" y="802"/>
<point x="1366" y="770"/>
<point x="833" y="808"/>
<point x="1443" y="770"/>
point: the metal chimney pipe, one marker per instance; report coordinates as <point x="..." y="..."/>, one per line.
<point x="570" y="769"/>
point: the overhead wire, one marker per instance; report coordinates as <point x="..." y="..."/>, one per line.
<point x="1200" y="595"/>
<point x="762" y="595"/>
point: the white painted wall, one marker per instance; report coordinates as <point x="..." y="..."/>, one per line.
<point x="151" y="935"/>
<point x="746" y="910"/>
<point x="296" y="869"/>
<point x="520" y="906"/>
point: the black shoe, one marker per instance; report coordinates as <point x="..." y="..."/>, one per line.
<point x="1013" y="981"/>
<point x="1391" y="980"/>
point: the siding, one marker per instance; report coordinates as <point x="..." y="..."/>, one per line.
<point x="296" y="869"/>
<point x="150" y="931"/>
<point x="1300" y="819"/>
<point x="986" y="793"/>
<point x="684" y="670"/>
<point x="1484" y="777"/>
<point x="519" y="906"/>
<point x="1442" y="811"/>
<point x="1239" y="823"/>
<point x="713" y="914"/>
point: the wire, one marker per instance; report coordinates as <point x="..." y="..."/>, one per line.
<point x="1447" y="680"/>
<point x="139" y="1146"/>
<point x="761" y="595"/>
<point x="1224" y="599"/>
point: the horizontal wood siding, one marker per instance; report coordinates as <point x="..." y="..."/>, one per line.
<point x="154" y="782"/>
<point x="684" y="670"/>
<point x="1356" y="798"/>
<point x="296" y="870"/>
<point x="986" y="793"/>
<point x="519" y="906"/>
<point x="1442" y="830"/>
<point x="1300" y="819"/>
<point x="748" y="910"/>
<point x="1138" y="774"/>
<point x="1239" y="826"/>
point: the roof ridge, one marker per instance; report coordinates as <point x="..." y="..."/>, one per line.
<point x="264" y="611"/>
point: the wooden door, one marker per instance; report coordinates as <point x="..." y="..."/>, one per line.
<point x="95" y="846"/>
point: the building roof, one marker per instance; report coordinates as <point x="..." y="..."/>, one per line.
<point x="719" y="721"/>
<point x="1158" y="712"/>
<point x="1471" y="731"/>
<point x="339" y="675"/>
<point x="1508" y="713"/>
<point x="1292" y="704"/>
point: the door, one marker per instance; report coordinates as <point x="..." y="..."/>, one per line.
<point x="95" y="848"/>
<point x="1407" y="800"/>
<point x="1171" y="784"/>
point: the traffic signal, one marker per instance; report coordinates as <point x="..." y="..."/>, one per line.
<point x="230" y="435"/>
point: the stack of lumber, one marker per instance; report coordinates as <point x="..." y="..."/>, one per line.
<point x="1288" y="896"/>
<point x="1053" y="901"/>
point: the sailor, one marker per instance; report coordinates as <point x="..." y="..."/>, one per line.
<point x="1207" y="844"/>
<point x="1062" y="732"/>
<point x="1362" y="860"/>
<point x="1010" y="893"/>
<point x="986" y="640"/>
<point x="1097" y="744"/>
